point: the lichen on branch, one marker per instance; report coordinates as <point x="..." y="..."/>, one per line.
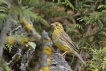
<point x="30" y="29"/>
<point x="19" y="39"/>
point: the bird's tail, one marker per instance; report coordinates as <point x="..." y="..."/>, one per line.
<point x="79" y="56"/>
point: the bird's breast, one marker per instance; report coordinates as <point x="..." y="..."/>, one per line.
<point x="55" y="35"/>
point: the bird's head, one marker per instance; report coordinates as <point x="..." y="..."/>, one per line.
<point x="57" y="26"/>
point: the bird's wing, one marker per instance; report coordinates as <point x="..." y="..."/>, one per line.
<point x="67" y="39"/>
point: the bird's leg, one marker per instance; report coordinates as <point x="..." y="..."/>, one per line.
<point x="64" y="54"/>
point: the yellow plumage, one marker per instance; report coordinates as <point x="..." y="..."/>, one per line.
<point x="63" y="41"/>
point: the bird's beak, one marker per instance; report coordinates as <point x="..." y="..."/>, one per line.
<point x="53" y="24"/>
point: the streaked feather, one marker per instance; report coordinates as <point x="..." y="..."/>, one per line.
<point x="63" y="41"/>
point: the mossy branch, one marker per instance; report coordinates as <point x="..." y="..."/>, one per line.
<point x="46" y="52"/>
<point x="34" y="61"/>
<point x="29" y="29"/>
<point x="19" y="39"/>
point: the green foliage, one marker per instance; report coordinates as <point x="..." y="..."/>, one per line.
<point x="2" y="18"/>
<point x="66" y="3"/>
<point x="101" y="6"/>
<point x="7" y="2"/>
<point x="20" y="11"/>
<point x="26" y="8"/>
<point x="49" y="9"/>
<point x="79" y="6"/>
<point x="93" y="38"/>
<point x="78" y="26"/>
<point x="3" y="13"/>
<point x="4" y="65"/>
<point x="88" y="30"/>
<point x="31" y="16"/>
<point x="98" y="58"/>
<point x="92" y="18"/>
<point x="8" y="47"/>
<point x="103" y="64"/>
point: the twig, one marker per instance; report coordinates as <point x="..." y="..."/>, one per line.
<point x="15" y="29"/>
<point x="88" y="30"/>
<point x="15" y="58"/>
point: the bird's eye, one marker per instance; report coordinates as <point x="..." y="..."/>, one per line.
<point x="56" y="25"/>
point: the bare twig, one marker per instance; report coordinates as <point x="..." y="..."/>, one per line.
<point x="88" y="31"/>
<point x="15" y="58"/>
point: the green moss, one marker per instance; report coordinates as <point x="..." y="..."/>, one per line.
<point x="10" y="40"/>
<point x="28" y="26"/>
<point x="22" y="40"/>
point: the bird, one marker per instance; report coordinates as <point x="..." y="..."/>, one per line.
<point x="63" y="41"/>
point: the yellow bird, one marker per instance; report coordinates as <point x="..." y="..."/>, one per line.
<point x="63" y="41"/>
